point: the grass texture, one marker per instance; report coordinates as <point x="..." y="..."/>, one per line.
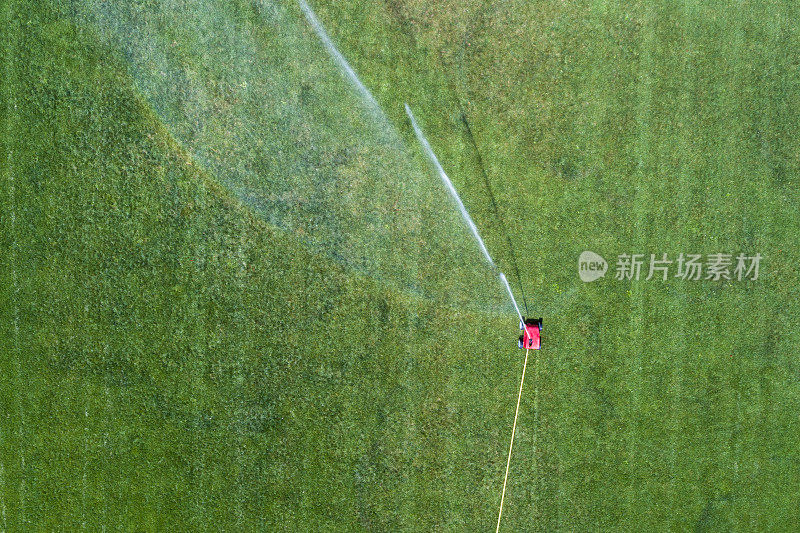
<point x="234" y="297"/>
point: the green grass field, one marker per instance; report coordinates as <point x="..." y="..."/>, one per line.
<point x="234" y="299"/>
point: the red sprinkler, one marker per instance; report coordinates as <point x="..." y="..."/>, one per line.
<point x="530" y="338"/>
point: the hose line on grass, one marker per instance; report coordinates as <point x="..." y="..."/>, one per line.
<point x="511" y="445"/>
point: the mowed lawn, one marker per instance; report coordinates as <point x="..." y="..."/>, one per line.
<point x="234" y="299"/>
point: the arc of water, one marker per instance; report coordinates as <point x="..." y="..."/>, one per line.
<point x="426" y="147"/>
